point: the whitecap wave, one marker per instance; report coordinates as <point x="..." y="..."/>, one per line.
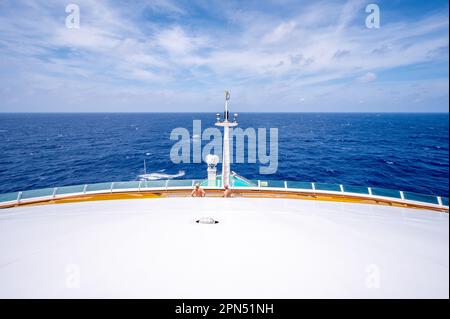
<point x="158" y="176"/>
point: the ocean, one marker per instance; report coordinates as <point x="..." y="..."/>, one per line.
<point x="398" y="151"/>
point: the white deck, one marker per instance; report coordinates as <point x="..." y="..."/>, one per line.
<point x="261" y="248"/>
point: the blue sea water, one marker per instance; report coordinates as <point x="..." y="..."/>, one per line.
<point x="399" y="151"/>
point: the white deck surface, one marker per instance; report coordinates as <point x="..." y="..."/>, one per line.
<point x="261" y="248"/>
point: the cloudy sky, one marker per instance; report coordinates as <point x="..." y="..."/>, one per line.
<point x="179" y="56"/>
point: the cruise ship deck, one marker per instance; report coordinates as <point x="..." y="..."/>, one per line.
<point x="260" y="248"/>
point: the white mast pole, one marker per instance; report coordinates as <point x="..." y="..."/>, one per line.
<point x="226" y="156"/>
<point x="226" y="123"/>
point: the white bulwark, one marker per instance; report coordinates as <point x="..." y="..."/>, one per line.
<point x="154" y="248"/>
<point x="226" y="124"/>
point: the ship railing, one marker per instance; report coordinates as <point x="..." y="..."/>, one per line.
<point x="375" y="193"/>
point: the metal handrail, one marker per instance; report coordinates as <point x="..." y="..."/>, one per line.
<point x="397" y="195"/>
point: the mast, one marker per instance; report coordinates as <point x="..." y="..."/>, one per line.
<point x="226" y="124"/>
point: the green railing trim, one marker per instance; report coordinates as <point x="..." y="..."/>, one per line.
<point x="299" y="185"/>
<point x="421" y="197"/>
<point x="327" y="187"/>
<point x="356" y="189"/>
<point x="36" y="193"/>
<point x="125" y="185"/>
<point x="180" y="183"/>
<point x="384" y="192"/>
<point x="64" y="190"/>
<point x="8" y="197"/>
<point x="153" y="184"/>
<point x="270" y="183"/>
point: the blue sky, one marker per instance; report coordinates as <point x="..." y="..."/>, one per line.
<point x="179" y="56"/>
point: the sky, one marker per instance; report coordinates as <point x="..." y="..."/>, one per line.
<point x="180" y="56"/>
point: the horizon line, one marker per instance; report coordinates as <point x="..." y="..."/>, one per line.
<point x="243" y="112"/>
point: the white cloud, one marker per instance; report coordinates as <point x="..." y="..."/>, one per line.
<point x="165" y="6"/>
<point x="257" y="52"/>
<point x="368" y="77"/>
<point x="176" y="42"/>
<point x="280" y="32"/>
<point x="89" y="38"/>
